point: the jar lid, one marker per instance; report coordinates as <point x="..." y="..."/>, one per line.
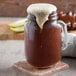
<point x="41" y="11"/>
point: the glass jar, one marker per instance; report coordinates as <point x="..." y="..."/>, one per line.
<point x="43" y="46"/>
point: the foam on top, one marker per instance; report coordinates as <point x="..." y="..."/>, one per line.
<point x="41" y="11"/>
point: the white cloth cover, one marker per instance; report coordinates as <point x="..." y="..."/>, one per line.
<point x="71" y="46"/>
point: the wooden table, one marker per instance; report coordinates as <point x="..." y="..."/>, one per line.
<point x="7" y="34"/>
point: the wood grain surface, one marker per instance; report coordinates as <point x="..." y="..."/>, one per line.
<point x="7" y="34"/>
<point x="72" y="31"/>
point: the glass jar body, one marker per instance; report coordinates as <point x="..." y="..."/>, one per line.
<point x="42" y="46"/>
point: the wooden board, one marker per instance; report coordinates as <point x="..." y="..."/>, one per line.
<point x="72" y="31"/>
<point x="7" y="34"/>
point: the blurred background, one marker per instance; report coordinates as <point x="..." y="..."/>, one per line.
<point x="17" y="8"/>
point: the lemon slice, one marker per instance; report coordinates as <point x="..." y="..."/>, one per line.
<point x="18" y="23"/>
<point x="17" y="29"/>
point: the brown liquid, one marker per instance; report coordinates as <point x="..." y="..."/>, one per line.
<point x="42" y="47"/>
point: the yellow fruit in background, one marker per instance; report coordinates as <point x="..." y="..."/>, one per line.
<point x="17" y="29"/>
<point x="18" y="23"/>
<point x="18" y="26"/>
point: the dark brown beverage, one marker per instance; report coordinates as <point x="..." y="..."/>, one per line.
<point x="43" y="46"/>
